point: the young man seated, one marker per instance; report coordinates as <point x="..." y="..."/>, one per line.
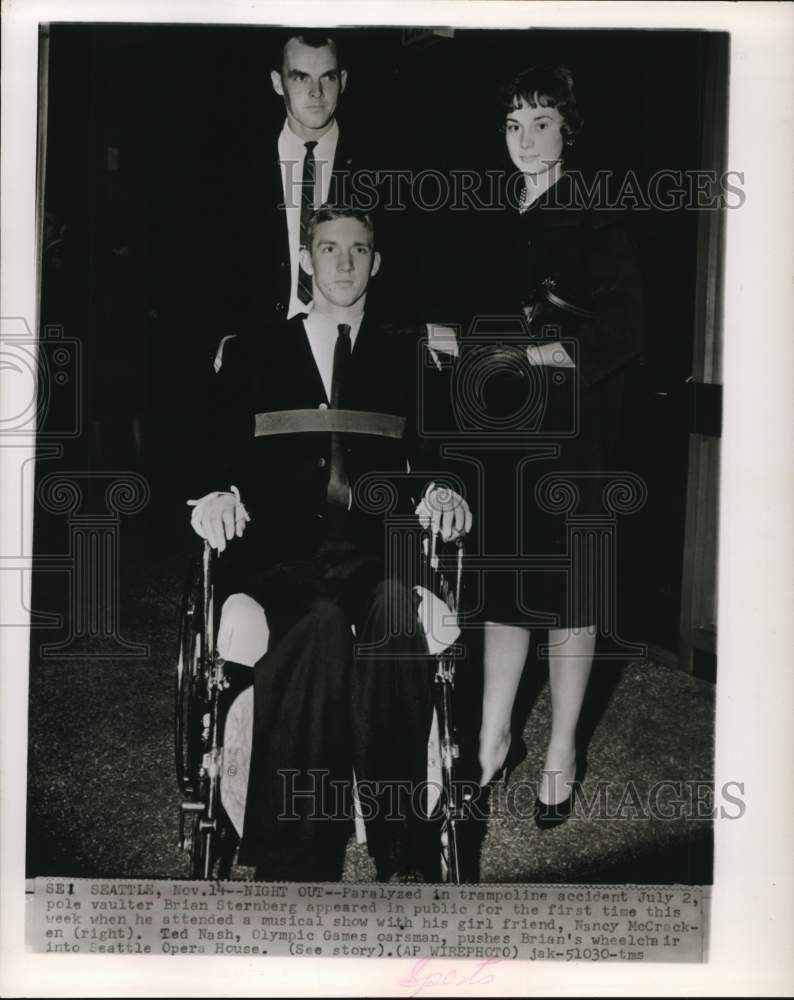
<point x="327" y="480"/>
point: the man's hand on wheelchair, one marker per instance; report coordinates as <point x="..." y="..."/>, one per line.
<point x="444" y="512"/>
<point x="219" y="517"/>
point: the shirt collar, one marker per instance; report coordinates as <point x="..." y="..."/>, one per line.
<point x="292" y="147"/>
<point x="316" y="322"/>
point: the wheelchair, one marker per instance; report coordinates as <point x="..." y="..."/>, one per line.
<point x="213" y="723"/>
<point x="213" y="734"/>
<point x="200" y="678"/>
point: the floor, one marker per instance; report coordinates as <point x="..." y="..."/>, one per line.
<point x="103" y="800"/>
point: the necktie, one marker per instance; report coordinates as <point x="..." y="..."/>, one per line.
<point x="307" y="207"/>
<point x="338" y="484"/>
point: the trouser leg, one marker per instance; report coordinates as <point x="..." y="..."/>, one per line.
<point x="299" y="794"/>
<point x="392" y="713"/>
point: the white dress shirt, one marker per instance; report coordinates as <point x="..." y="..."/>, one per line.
<point x="291" y="154"/>
<point x="322" y="331"/>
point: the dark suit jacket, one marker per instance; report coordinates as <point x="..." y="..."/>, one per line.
<point x="283" y="479"/>
<point x="247" y="274"/>
<point x="250" y="253"/>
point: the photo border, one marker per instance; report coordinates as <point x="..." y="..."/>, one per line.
<point x="751" y="923"/>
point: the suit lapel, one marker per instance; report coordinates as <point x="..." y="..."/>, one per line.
<point x="343" y="157"/>
<point x="365" y="364"/>
<point x="275" y="191"/>
<point x="346" y="162"/>
<point x="311" y="380"/>
<point x="290" y="372"/>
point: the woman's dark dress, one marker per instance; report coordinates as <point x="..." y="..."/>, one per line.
<point x="557" y="455"/>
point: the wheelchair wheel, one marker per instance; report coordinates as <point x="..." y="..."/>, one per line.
<point x="191" y="703"/>
<point x="194" y="711"/>
<point x="450" y="807"/>
<point x="200" y="706"/>
<point x="449" y="856"/>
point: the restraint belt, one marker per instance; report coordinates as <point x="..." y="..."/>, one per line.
<point x="330" y="420"/>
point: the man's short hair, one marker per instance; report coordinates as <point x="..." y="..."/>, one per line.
<point x="315" y="38"/>
<point x="328" y="213"/>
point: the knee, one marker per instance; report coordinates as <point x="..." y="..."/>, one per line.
<point x="393" y="599"/>
<point x="243" y="634"/>
<point x="326" y="623"/>
<point x="326" y="613"/>
<point x="392" y="624"/>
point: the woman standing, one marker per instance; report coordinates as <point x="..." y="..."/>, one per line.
<point x="569" y="273"/>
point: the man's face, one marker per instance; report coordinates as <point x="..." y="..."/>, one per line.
<point x="341" y="260"/>
<point x="534" y="137"/>
<point x="310" y="83"/>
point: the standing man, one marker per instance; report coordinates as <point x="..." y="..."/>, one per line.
<point x="274" y="185"/>
<point x="310" y="81"/>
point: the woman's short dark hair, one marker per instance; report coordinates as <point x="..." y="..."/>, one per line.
<point x="546" y="87"/>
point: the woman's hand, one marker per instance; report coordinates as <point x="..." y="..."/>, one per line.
<point x="552" y="355"/>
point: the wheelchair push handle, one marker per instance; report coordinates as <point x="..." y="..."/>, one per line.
<point x="207" y="557"/>
<point x="445" y="579"/>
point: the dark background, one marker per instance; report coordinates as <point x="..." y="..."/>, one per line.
<point x="131" y="278"/>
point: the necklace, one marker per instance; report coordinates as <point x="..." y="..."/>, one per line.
<point x="541" y="184"/>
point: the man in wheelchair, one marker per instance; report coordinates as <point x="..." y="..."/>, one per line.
<point x="321" y="486"/>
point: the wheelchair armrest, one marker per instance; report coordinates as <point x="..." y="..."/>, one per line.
<point x="217" y="362"/>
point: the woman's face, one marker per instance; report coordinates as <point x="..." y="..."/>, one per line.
<point x="534" y="137"/>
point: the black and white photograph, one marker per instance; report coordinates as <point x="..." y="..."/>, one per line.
<point x="366" y="439"/>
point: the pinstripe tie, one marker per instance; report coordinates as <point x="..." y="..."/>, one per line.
<point x="307" y="207"/>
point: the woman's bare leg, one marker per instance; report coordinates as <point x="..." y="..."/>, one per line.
<point x="570" y="660"/>
<point x="506" y="649"/>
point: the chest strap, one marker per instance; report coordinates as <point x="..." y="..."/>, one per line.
<point x="316" y="421"/>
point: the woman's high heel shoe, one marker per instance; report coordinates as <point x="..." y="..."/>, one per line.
<point x="516" y="753"/>
<point x="548" y="816"/>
